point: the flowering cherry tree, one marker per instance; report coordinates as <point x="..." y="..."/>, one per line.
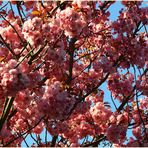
<point x="54" y="58"/>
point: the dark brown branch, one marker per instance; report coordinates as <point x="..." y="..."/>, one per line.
<point x="4" y="43"/>
<point x="24" y="58"/>
<point x="18" y="8"/>
<point x="137" y="28"/>
<point x="139" y="112"/>
<point x="12" y="9"/>
<point x="13" y="28"/>
<point x="61" y="6"/>
<point x="4" y="6"/>
<point x="71" y="60"/>
<point x="105" y="5"/>
<point x="53" y="142"/>
<point x="36" y="54"/>
<point x="95" y="143"/>
<point x="45" y="8"/>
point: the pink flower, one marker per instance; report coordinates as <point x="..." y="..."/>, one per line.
<point x="116" y="133"/>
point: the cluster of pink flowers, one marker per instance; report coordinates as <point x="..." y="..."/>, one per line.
<point x="13" y="79"/>
<point x="54" y="96"/>
<point x="10" y="35"/>
<point x="99" y="112"/>
<point x="142" y="85"/>
<point x="120" y="85"/>
<point x="32" y="31"/>
<point x="71" y="22"/>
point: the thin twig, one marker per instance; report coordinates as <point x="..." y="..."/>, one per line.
<point x="7" y="45"/>
<point x="13" y="28"/>
<point x="8" y="143"/>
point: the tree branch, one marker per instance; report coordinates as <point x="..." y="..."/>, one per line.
<point x="71" y="60"/>
<point x="53" y="142"/>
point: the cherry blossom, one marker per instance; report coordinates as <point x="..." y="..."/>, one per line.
<point x="67" y="69"/>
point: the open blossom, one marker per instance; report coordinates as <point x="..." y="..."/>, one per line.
<point x="101" y="114"/>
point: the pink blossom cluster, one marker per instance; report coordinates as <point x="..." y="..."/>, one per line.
<point x="55" y="96"/>
<point x="12" y="79"/>
<point x="32" y="31"/>
<point x="12" y="36"/>
<point x="142" y="85"/>
<point x="120" y="85"/>
<point x="71" y="22"/>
